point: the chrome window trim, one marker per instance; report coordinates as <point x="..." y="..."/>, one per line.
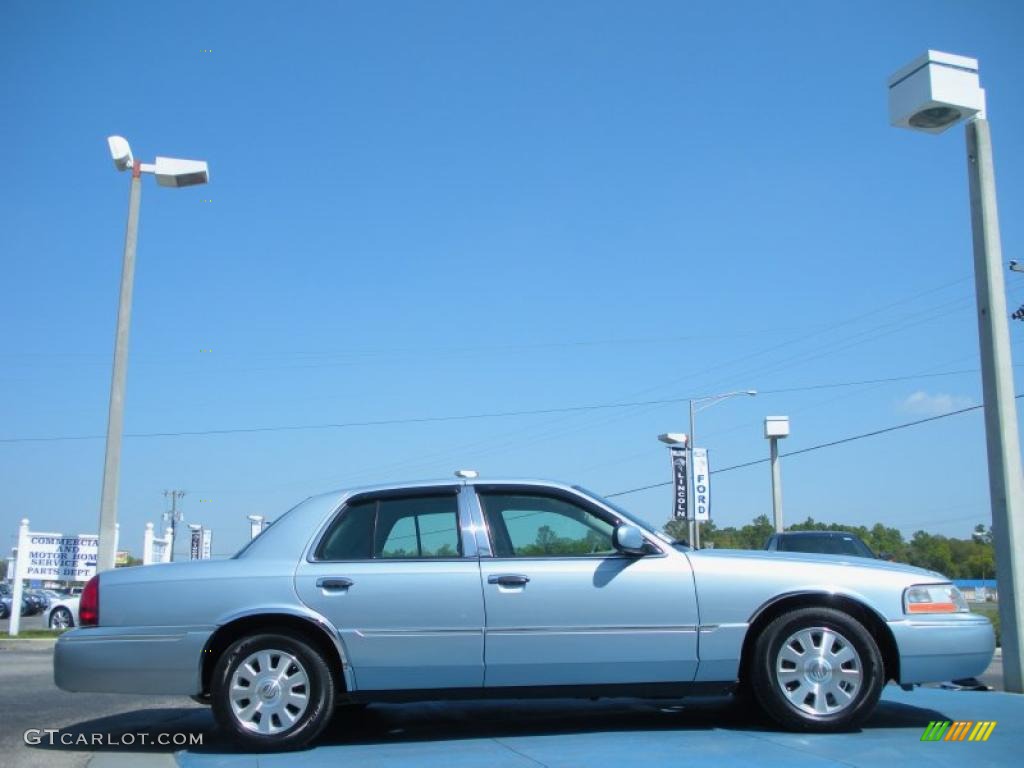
<point x="468" y="525"/>
<point x="480" y="531"/>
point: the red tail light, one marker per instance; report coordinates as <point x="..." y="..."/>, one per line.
<point x="89" y="604"/>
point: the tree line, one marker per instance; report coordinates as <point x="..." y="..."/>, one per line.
<point x="972" y="558"/>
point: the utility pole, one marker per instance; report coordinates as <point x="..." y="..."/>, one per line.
<point x="174" y="515"/>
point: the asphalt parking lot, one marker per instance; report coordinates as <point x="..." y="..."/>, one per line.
<point x="545" y="733"/>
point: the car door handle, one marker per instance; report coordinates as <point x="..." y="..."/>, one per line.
<point x="508" y="579"/>
<point x="334" y="583"/>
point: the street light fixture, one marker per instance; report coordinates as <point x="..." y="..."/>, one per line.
<point x="931" y="94"/>
<point x="708" y="401"/>
<point x="169" y="172"/>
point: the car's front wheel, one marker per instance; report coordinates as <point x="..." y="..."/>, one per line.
<point x="272" y="692"/>
<point x="61" y="618"/>
<point x="817" y="669"/>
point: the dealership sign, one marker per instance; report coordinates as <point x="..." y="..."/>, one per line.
<point x="51" y="556"/>
<point x="680" y="509"/>
<point x="63" y="558"/>
<point x="701" y="486"/>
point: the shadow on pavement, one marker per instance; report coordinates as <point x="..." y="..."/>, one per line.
<point x="169" y="730"/>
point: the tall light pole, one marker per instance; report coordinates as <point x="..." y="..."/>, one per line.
<point x="169" y="172"/>
<point x="708" y="401"/>
<point x="776" y="428"/>
<point x="932" y="93"/>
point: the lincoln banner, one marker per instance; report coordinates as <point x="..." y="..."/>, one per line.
<point x="680" y="509"/>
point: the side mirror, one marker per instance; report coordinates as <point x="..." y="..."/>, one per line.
<point x="628" y="540"/>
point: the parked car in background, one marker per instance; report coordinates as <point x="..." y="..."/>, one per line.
<point x="44" y="596"/>
<point x="820" y="543"/>
<point x="33" y="603"/>
<point x="30" y="604"/>
<point x="508" y="589"/>
<point x="63" y="614"/>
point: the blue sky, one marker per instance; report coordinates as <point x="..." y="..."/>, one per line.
<point x="434" y="209"/>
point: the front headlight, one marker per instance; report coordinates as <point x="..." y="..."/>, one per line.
<point x="933" y="598"/>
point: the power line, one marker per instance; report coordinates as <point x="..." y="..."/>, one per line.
<point x="465" y="417"/>
<point x="829" y="444"/>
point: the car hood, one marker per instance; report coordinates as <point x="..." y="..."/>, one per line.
<point x="780" y="559"/>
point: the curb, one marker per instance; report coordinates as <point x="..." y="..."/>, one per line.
<point x="27" y="643"/>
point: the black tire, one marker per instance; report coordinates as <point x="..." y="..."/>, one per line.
<point x="835" y="688"/>
<point x="285" y="655"/>
<point x="61" y="618"/>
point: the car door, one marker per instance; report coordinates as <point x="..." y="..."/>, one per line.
<point x="397" y="574"/>
<point x="564" y="607"/>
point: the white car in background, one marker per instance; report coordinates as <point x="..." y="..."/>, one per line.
<point x="63" y="614"/>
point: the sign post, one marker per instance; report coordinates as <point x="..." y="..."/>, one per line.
<point x="19" y="576"/>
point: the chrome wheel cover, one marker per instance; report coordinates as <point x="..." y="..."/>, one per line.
<point x="819" y="671"/>
<point x="60" y="619"/>
<point x="269" y="692"/>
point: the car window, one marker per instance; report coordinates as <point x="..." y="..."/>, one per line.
<point x="826" y="545"/>
<point x="413" y="527"/>
<point x="351" y="534"/>
<point x="426" y="527"/>
<point x="541" y="526"/>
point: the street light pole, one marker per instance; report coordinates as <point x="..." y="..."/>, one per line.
<point x="776" y="428"/>
<point x="694" y="528"/>
<point x="1006" y="485"/>
<point x="692" y="444"/>
<point x="931" y="94"/>
<point x="169" y="172"/>
<point x="115" y="416"/>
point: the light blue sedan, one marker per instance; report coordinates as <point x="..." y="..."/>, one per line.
<point x="508" y="589"/>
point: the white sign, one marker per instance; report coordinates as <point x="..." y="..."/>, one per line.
<point x="156" y="550"/>
<point x="701" y="486"/>
<point x="161" y="551"/>
<point x="206" y="551"/>
<point x="65" y="558"/>
<point x="51" y="556"/>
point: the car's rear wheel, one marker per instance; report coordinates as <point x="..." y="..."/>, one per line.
<point x="817" y="669"/>
<point x="272" y="692"/>
<point x="61" y="618"/>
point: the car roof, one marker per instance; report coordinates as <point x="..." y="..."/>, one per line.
<point x="440" y="483"/>
<point x="816" y="533"/>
